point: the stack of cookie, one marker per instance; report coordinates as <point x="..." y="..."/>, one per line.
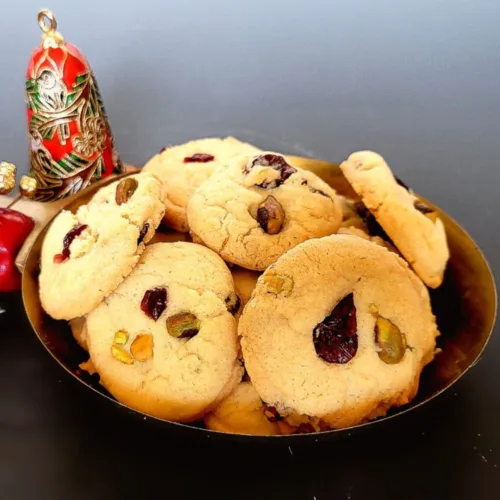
<point x="277" y="307"/>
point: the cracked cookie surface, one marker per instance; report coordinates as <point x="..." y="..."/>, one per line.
<point x="173" y="377"/>
<point x="414" y="228"/>
<point x="182" y="171"/>
<point x="309" y="333"/>
<point x="144" y="205"/>
<point x="106" y="241"/>
<point x="250" y="214"/>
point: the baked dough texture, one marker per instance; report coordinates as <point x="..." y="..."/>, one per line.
<point x="179" y="379"/>
<point x="297" y="293"/>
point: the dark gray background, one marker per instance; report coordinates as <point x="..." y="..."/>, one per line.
<point x="417" y="81"/>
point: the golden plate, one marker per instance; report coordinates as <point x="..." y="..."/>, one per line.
<point x="465" y="307"/>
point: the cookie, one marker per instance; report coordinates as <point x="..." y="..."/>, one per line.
<point x="183" y="168"/>
<point x="414" y="228"/>
<point x="243" y="412"/>
<point x="259" y="207"/>
<point x="362" y="233"/>
<point x="164" y="342"/>
<point x="79" y="330"/>
<point x="350" y="214"/>
<point x="337" y="331"/>
<point x="86" y="255"/>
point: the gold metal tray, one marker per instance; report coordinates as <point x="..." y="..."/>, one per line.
<point x="465" y="307"/>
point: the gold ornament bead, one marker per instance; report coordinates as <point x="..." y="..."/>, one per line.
<point x="7" y="177"/>
<point x="27" y="186"/>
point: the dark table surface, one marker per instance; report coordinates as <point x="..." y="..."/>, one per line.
<point x="417" y="83"/>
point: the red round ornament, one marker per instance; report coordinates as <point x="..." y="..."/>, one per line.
<point x="71" y="144"/>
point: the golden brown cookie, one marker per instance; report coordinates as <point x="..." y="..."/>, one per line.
<point x="413" y="227"/>
<point x="183" y="168"/>
<point x="243" y="412"/>
<point x="86" y="255"/>
<point x="259" y="207"/>
<point x="164" y="342"/>
<point x="337" y="331"/>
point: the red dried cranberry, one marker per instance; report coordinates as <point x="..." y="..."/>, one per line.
<point x="335" y="338"/>
<point x="143" y="233"/>
<point x="277" y="162"/>
<point x="199" y="158"/>
<point x="423" y="208"/>
<point x="154" y="302"/>
<point x="272" y="414"/>
<point x="68" y="239"/>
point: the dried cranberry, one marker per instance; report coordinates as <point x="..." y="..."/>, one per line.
<point x="335" y="338"/>
<point x="374" y="228"/>
<point x="272" y="414"/>
<point x="423" y="208"/>
<point x="199" y="158"/>
<point x="154" y="302"/>
<point x="164" y="148"/>
<point x="58" y="258"/>
<point x="143" y="233"/>
<point x="68" y="239"/>
<point x="276" y="162"/>
<point x="402" y="184"/>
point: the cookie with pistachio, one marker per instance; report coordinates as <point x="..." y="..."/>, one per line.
<point x="86" y="255"/>
<point x="184" y="167"/>
<point x="258" y="207"/>
<point x="165" y="342"/>
<point x="337" y="332"/>
<point x="413" y="227"/>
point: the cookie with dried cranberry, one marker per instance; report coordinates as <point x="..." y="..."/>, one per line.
<point x="184" y="167"/>
<point x="243" y="412"/>
<point x="164" y="342"/>
<point x="137" y="198"/>
<point x="337" y="331"/>
<point x="86" y="255"/>
<point x="414" y="228"/>
<point x="259" y="207"/>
